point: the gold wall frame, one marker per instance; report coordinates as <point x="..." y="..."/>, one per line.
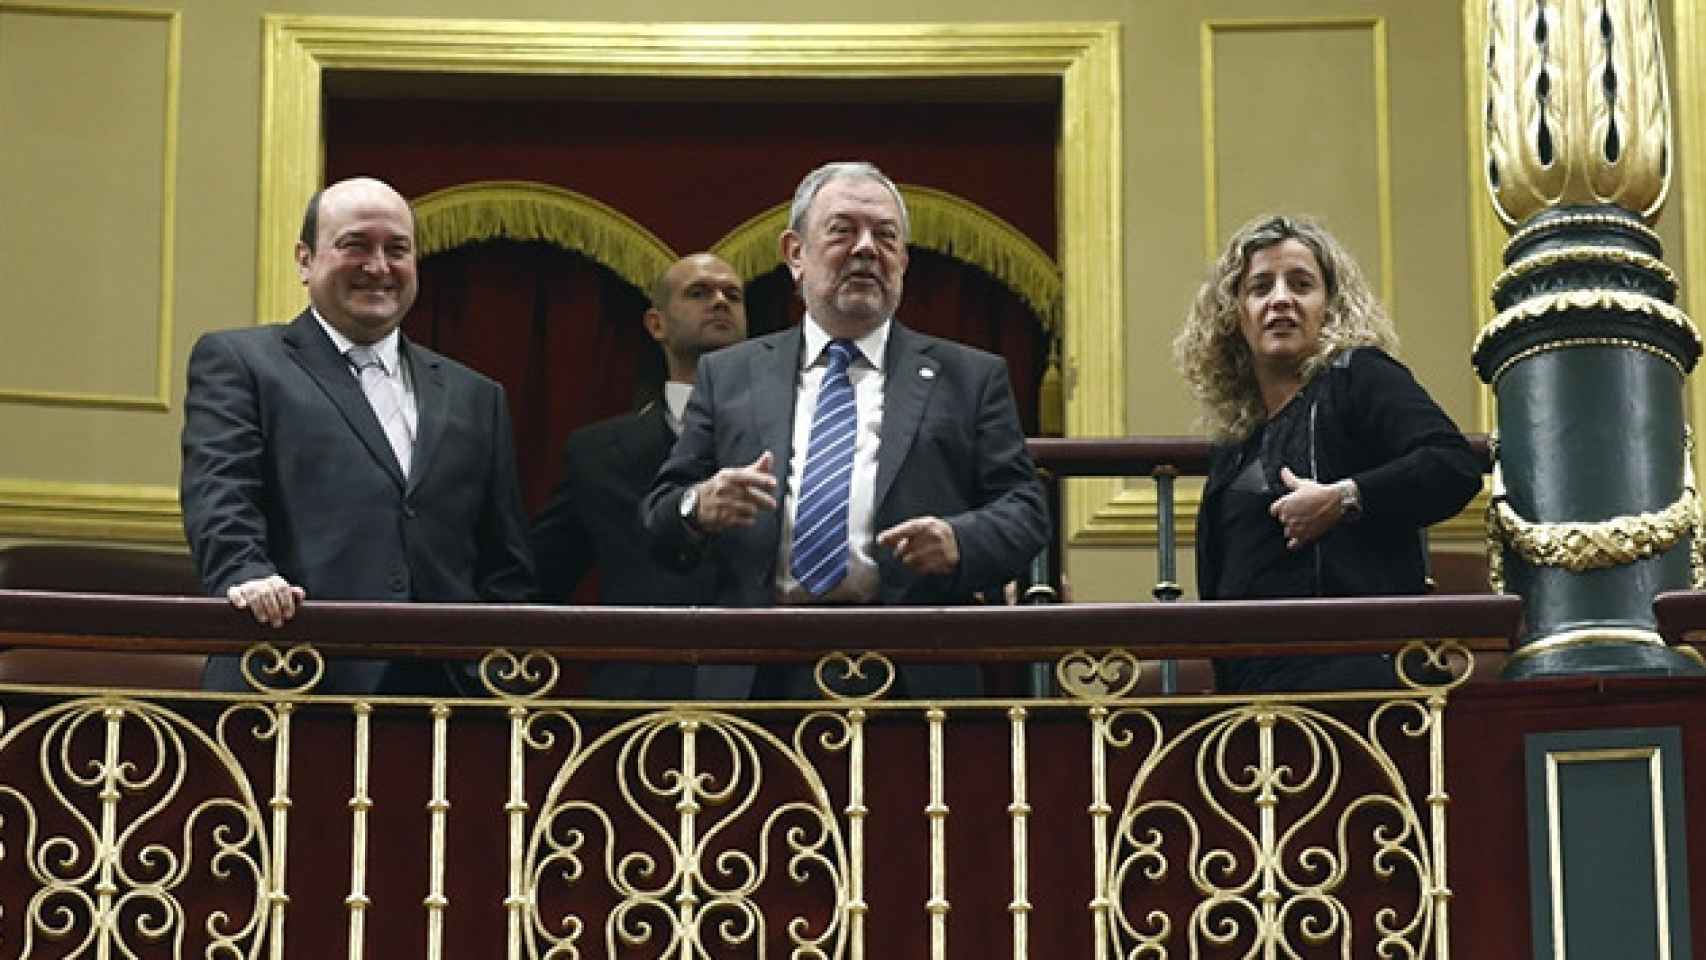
<point x="1376" y="27"/>
<point x="1083" y="57"/>
<point x="1688" y="115"/>
<point x="1486" y="233"/>
<point x="125" y="512"/>
<point x="1653" y="760"/>
<point x="160" y="400"/>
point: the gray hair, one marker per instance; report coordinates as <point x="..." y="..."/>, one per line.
<point x="843" y="170"/>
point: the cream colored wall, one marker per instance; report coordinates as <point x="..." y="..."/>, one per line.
<point x="85" y="469"/>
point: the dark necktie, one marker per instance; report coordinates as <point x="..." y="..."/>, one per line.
<point x="819" y="559"/>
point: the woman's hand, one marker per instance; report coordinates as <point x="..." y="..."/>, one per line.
<point x="1309" y="510"/>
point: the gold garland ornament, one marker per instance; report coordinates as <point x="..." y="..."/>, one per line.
<point x="1579" y="547"/>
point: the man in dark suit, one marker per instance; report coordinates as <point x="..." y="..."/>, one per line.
<point x="903" y="452"/>
<point x="332" y="458"/>
<point x="592" y="521"/>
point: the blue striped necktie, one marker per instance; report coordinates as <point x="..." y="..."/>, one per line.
<point x="819" y="559"/>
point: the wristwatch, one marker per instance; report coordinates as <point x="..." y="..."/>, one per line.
<point x="1350" y="500"/>
<point x="690" y="509"/>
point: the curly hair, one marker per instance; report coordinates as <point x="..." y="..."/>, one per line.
<point x="1210" y="351"/>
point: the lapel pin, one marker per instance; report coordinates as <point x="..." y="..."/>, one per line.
<point x="927" y="373"/>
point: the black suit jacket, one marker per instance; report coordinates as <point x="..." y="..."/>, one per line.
<point x="286" y="470"/>
<point x="592" y="523"/>
<point x="951" y="447"/>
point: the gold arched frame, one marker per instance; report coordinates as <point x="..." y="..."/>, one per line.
<point x="1083" y="57"/>
<point x="941" y="221"/>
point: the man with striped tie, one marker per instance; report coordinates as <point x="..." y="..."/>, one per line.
<point x="850" y="460"/>
<point x="331" y="458"/>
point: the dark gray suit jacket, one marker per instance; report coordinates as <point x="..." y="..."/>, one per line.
<point x="951" y="447"/>
<point x="286" y="470"/>
<point x="592" y="523"/>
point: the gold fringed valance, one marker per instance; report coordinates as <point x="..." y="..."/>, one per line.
<point x="941" y="222"/>
<point x="523" y="210"/>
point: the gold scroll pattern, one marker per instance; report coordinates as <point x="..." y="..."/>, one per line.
<point x="683" y="831"/>
<point x="1577" y="108"/>
<point x="111" y="834"/>
<point x="688" y="846"/>
<point x="1243" y="811"/>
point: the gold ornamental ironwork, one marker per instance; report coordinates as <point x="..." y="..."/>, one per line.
<point x="683" y="830"/>
<point x="112" y="829"/>
<point x="1577" y="106"/>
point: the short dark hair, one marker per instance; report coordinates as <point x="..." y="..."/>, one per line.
<point x="311" y="221"/>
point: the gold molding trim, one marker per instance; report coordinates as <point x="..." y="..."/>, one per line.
<point x="941" y="221"/>
<point x="1382" y="125"/>
<point x="161" y="400"/>
<point x="1654" y="759"/>
<point x="1536" y="308"/>
<point x="1688" y="117"/>
<point x="1587" y="637"/>
<point x="1582" y="254"/>
<point x="1084" y="57"/>
<point x="134" y="513"/>
<point x="526" y="210"/>
<point x="1486" y="231"/>
<point x="1588" y="220"/>
<point x="1619" y="342"/>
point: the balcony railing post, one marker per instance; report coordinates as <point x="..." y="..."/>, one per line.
<point x="1166" y="560"/>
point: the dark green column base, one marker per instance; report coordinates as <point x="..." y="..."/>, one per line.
<point x="1584" y="654"/>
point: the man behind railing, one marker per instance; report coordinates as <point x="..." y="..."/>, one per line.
<point x="333" y="458"/>
<point x="851" y="460"/>
<point x="592" y="522"/>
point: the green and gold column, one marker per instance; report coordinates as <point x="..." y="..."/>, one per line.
<point x="1594" y="508"/>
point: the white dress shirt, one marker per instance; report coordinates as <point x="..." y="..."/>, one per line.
<point x="675" y="394"/>
<point x="866" y="376"/>
<point x="386" y="349"/>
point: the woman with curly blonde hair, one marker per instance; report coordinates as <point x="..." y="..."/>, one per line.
<point x="1331" y="456"/>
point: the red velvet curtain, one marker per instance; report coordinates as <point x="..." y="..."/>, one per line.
<point x="561" y="333"/>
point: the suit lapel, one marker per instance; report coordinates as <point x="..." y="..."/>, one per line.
<point x="319" y="358"/>
<point x="427" y="371"/>
<point x="775" y="371"/>
<point x="642" y="444"/>
<point x="909" y="375"/>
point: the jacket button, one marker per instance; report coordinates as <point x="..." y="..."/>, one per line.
<point x="396" y="581"/>
<point x="409" y="511"/>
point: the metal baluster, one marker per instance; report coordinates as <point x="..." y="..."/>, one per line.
<point x="1167" y="560"/>
<point x="1039" y="676"/>
<point x="1019" y="811"/>
<point x="360" y="804"/>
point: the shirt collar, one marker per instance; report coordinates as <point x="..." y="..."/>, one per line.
<point x="871" y="345"/>
<point x="385" y="349"/>
<point x="675" y="394"/>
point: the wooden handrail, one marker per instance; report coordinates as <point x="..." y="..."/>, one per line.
<point x="1681" y="616"/>
<point x="1141" y="456"/>
<point x="1227" y="628"/>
